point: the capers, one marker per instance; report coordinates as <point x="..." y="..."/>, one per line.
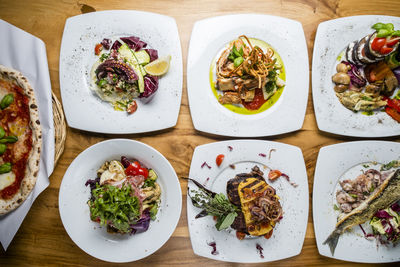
<point x="9" y="139"/>
<point x="3" y="148"/>
<point x="2" y="132"/>
<point x="6" y="167"/>
<point x="6" y="101"/>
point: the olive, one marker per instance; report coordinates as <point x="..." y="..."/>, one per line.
<point x="6" y="167"/>
<point x="9" y="139"/>
<point x="3" y="148"/>
<point x="2" y="132"/>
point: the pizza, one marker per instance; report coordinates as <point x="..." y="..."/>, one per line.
<point x="20" y="139"/>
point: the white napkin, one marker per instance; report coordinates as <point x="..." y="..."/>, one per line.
<point x="26" y="53"/>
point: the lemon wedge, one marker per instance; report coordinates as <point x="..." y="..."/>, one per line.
<point x="159" y="66"/>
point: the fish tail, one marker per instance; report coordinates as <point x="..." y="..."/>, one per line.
<point x="332" y="241"/>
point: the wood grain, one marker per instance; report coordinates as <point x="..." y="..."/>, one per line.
<point x="42" y="240"/>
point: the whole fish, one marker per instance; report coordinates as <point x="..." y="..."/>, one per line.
<point x="385" y="195"/>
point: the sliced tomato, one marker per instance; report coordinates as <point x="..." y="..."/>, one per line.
<point x="144" y="172"/>
<point x="240" y="235"/>
<point x="385" y="50"/>
<point x="393" y="41"/>
<point x="219" y="159"/>
<point x="97" y="49"/>
<point x="378" y="43"/>
<point x="132" y="107"/>
<point x="274" y="174"/>
<point x="269" y="234"/>
<point x="393" y="113"/>
<point x="133" y="169"/>
<point x="394" y="103"/>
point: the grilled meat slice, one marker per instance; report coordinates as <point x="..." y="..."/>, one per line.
<point x="227" y="84"/>
<point x="230" y="98"/>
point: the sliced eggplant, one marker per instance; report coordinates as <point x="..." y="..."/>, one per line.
<point x="361" y="56"/>
<point x="354" y="54"/>
<point x="349" y="52"/>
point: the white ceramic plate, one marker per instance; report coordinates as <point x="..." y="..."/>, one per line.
<point x="331" y="39"/>
<point x="211" y="35"/>
<point x="83" y="108"/>
<point x="288" y="236"/>
<point x="334" y="162"/>
<point x="26" y="53"/>
<point x="88" y="235"/>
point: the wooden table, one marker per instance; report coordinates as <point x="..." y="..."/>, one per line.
<point x="42" y="240"/>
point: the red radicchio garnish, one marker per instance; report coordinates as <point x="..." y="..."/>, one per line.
<point x="117" y="44"/>
<point x="106" y="43"/>
<point x="134" y="43"/>
<point x="382" y="214"/>
<point x="396" y="72"/>
<point x="396" y="207"/>
<point x="150" y="86"/>
<point x="205" y="164"/>
<point x="152" y="53"/>
<point x="125" y="162"/>
<point x="262" y="155"/>
<point x="230" y="148"/>
<point x="355" y="76"/>
<point x="142" y="225"/>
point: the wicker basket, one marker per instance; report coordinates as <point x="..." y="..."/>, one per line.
<point x="60" y="128"/>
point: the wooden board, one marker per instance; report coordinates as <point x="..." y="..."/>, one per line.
<point x="42" y="240"/>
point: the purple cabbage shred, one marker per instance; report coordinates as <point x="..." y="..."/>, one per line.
<point x="396" y="207"/>
<point x="382" y="214"/>
<point x="356" y="78"/>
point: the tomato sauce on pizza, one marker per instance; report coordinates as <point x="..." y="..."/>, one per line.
<point x="15" y="120"/>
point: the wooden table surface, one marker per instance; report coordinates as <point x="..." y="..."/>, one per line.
<point x="42" y="240"/>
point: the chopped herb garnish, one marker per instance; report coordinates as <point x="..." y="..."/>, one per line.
<point x="365" y="165"/>
<point x="104" y="56"/>
<point x="335" y="207"/>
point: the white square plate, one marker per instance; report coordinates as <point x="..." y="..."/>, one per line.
<point x="333" y="161"/>
<point x="83" y="109"/>
<point x="331" y="39"/>
<point x="288" y="236"/>
<point x="209" y="36"/>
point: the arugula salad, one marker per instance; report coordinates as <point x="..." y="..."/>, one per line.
<point x="124" y="197"/>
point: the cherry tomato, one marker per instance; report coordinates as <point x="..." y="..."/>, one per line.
<point x="133" y="169"/>
<point x="394" y="103"/>
<point x="392" y="42"/>
<point x="144" y="172"/>
<point x="97" y="49"/>
<point x="132" y="107"/>
<point x="393" y="113"/>
<point x="240" y="235"/>
<point x="385" y="50"/>
<point x="269" y="234"/>
<point x="219" y="159"/>
<point x="378" y="43"/>
<point x="274" y="174"/>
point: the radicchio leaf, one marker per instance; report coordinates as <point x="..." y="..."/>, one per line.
<point x="396" y="207"/>
<point x="396" y="72"/>
<point x="355" y="76"/>
<point x="382" y="214"/>
<point x="152" y="53"/>
<point x="150" y="86"/>
<point x="142" y="225"/>
<point x="106" y="43"/>
<point x="116" y="45"/>
<point x="134" y="43"/>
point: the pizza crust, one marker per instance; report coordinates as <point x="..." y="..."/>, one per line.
<point x="32" y="167"/>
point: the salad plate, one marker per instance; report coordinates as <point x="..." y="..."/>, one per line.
<point x="284" y="112"/>
<point x="345" y="161"/>
<point x="84" y="109"/>
<point x="95" y="240"/>
<point x="240" y="156"/>
<point x="331" y="40"/>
